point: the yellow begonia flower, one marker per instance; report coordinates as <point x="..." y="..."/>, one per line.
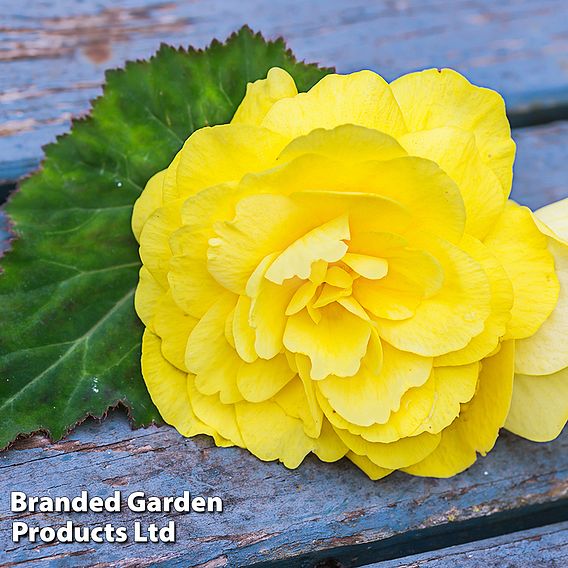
<point x="341" y="272"/>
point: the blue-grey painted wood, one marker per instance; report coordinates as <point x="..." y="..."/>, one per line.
<point x="543" y="546"/>
<point x="541" y="164"/>
<point x="53" y="54"/>
<point x="52" y="61"/>
<point x="270" y="513"/>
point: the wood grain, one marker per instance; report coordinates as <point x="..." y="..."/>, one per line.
<point x="541" y="164"/>
<point x="53" y="54"/>
<point x="52" y="61"/>
<point x="543" y="546"/>
<point x="270" y="513"/>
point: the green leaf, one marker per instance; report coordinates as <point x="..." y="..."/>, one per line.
<point x="69" y="336"/>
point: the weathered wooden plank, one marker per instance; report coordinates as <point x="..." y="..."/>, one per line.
<point x="53" y="61"/>
<point x="543" y="546"/>
<point x="270" y="513"/>
<point x="541" y="164"/>
<point x="53" y="55"/>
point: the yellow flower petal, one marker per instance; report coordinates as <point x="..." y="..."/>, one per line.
<point x="368" y="398"/>
<point x="169" y="187"/>
<point x="453" y="386"/>
<point x="441" y="97"/>
<point x="412" y="276"/>
<point x="363" y="98"/>
<point x="150" y="200"/>
<point x="366" y="211"/>
<point x="337" y="276"/>
<point x="384" y="302"/>
<point x="522" y="250"/>
<point x="194" y="290"/>
<point x="193" y="287"/>
<point x="448" y="320"/>
<point x="168" y="389"/>
<point x="335" y="345"/>
<point x="347" y="143"/>
<point x="455" y="151"/>
<point x="393" y="388"/>
<point x="365" y="464"/>
<point x="262" y="94"/>
<point x="281" y="437"/>
<point x="539" y="408"/>
<point x="501" y="302"/>
<point x="428" y="407"/>
<point x="477" y="427"/>
<point x="212" y="412"/>
<point x="420" y="186"/>
<point x="262" y="379"/>
<point x="297" y="399"/>
<point x="367" y="266"/>
<point x="268" y="312"/>
<point x="546" y="352"/>
<point x="263" y="225"/>
<point x="148" y="293"/>
<point x="325" y="242"/>
<point x="155" y="249"/>
<point x="173" y="326"/>
<point x="211" y="358"/>
<point x="330" y="294"/>
<point x="555" y="216"/>
<point x="243" y="334"/>
<point x="396" y="455"/>
<point x="328" y="447"/>
<point x="224" y="153"/>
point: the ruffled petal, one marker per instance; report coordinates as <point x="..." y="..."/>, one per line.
<point x="173" y="326"/>
<point x="450" y="319"/>
<point x="210" y="356"/>
<point x="155" y="249"/>
<point x="395" y="455"/>
<point x="369" y="398"/>
<point x="212" y="412"/>
<point x="455" y="151"/>
<point x="148" y="293"/>
<point x="150" y="200"/>
<point x="546" y="352"/>
<point x="335" y="345"/>
<point x="347" y="143"/>
<point x="555" y="216"/>
<point x="193" y="287"/>
<point x="224" y="153"/>
<point x="325" y="242"/>
<point x="268" y="310"/>
<point x="363" y="98"/>
<point x="374" y="471"/>
<point x="297" y="400"/>
<point x="263" y="225"/>
<point x="477" y="427"/>
<point x="417" y="185"/>
<point x="495" y="326"/>
<point x="437" y="98"/>
<point x="262" y="379"/>
<point x="328" y="447"/>
<point x="262" y="94"/>
<point x="168" y="389"/>
<point x="523" y="251"/>
<point x="270" y="434"/>
<point x="539" y="408"/>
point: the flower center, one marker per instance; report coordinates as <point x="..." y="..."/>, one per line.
<point x="333" y="282"/>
